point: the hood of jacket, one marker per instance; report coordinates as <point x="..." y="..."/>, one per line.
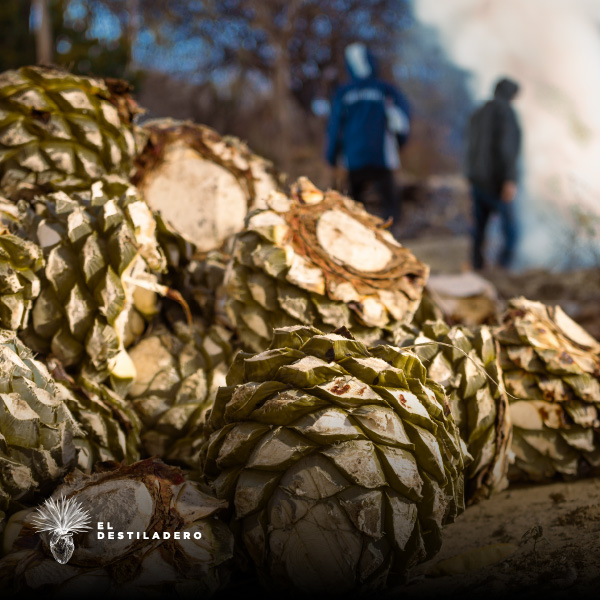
<point x="360" y="63"/>
<point x="506" y="89"/>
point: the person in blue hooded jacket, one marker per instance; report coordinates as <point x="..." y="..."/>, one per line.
<point x="369" y="122"/>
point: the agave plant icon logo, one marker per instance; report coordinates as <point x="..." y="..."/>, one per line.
<point x="61" y="518"/>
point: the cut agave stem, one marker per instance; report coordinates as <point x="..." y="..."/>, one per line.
<point x="182" y="544"/>
<point x="320" y="259"/>
<point x="215" y="179"/>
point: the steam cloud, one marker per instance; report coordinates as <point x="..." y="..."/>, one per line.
<point x="552" y="48"/>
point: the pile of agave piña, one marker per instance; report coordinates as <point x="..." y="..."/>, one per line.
<point x="258" y="386"/>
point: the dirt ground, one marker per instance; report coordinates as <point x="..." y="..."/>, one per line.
<point x="563" y="562"/>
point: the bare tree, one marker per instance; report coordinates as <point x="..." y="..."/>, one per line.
<point x="132" y="28"/>
<point x="43" y="31"/>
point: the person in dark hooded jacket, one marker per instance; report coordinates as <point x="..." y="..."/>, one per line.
<point x="369" y="122"/>
<point x="493" y="145"/>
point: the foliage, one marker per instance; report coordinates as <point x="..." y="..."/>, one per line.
<point x="80" y="47"/>
<point x="79" y="44"/>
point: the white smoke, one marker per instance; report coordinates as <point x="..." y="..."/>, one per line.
<point x="552" y="48"/>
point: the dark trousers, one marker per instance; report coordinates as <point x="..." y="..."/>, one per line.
<point x="375" y="183"/>
<point x="484" y="206"/>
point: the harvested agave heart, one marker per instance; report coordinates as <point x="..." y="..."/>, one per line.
<point x="109" y="429"/>
<point x="148" y="499"/>
<point x="179" y="368"/>
<point x="342" y="464"/>
<point x="320" y="259"/>
<point x="59" y="131"/>
<point x="36" y="427"/>
<point x="465" y="362"/>
<point x="201" y="284"/>
<point x="102" y="257"/>
<point x="553" y="367"/>
<point x="48" y="425"/>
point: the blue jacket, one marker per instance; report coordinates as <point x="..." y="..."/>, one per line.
<point x="358" y="129"/>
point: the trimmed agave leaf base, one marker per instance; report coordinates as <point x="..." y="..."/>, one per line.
<point x="341" y="464"/>
<point x="552" y="370"/>
<point x="466" y="363"/>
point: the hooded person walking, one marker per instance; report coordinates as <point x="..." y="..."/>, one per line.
<point x="369" y="122"/>
<point x="493" y="145"/>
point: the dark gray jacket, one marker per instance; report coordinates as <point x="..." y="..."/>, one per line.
<point x="494" y="141"/>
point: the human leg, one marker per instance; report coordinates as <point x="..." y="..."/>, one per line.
<point x="509" y="232"/>
<point x="385" y="189"/>
<point x="357" y="185"/>
<point x="481" y="215"/>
